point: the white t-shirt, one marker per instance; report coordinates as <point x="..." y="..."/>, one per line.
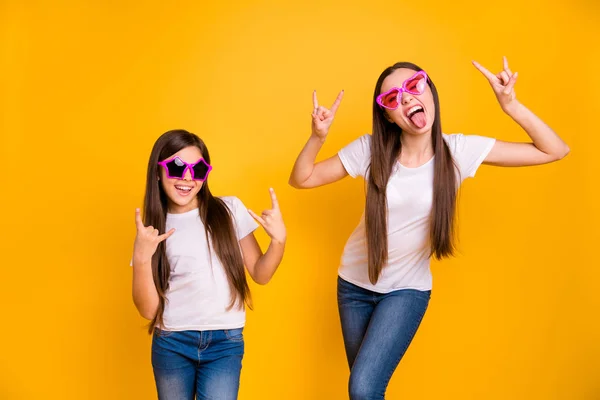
<point x="409" y="201"/>
<point x="199" y="292"/>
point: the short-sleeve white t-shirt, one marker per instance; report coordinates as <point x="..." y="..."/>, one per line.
<point x="409" y="201"/>
<point x="199" y="292"/>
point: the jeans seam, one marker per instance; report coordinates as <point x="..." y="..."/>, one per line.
<point x="202" y="347"/>
<point x="407" y="342"/>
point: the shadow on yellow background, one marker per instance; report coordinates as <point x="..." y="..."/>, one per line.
<point x="86" y="88"/>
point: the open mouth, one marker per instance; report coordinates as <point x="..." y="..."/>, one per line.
<point x="183" y="190"/>
<point x="416" y="115"/>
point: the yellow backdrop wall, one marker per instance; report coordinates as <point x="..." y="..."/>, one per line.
<point x="86" y="88"/>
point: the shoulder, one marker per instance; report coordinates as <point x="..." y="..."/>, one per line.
<point x="232" y="202"/>
<point x="453" y="140"/>
<point x="365" y="139"/>
<point x="359" y="146"/>
<point x="467" y="143"/>
<point x="235" y="205"/>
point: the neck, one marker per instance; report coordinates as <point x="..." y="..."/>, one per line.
<point x="179" y="209"/>
<point x="416" y="147"/>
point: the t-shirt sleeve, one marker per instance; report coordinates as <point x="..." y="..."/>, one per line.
<point x="469" y="151"/>
<point x="244" y="223"/>
<point x="356" y="156"/>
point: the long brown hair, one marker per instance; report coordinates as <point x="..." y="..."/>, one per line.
<point x="385" y="150"/>
<point x="215" y="216"/>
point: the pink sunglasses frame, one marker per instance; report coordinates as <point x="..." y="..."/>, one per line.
<point x="188" y="166"/>
<point x="402" y="89"/>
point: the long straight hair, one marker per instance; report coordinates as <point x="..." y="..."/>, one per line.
<point x="386" y="147"/>
<point x="214" y="214"/>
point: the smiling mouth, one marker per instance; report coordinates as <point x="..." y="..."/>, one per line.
<point x="183" y="190"/>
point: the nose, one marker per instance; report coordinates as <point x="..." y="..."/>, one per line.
<point x="406" y="98"/>
<point x="188" y="174"/>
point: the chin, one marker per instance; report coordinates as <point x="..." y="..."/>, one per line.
<point x="182" y="202"/>
<point x="419" y="132"/>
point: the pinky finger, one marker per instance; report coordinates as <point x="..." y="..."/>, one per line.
<point x="257" y="218"/>
<point x="165" y="236"/>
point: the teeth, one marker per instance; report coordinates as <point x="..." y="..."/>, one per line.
<point x="413" y="110"/>
<point x="184" y="188"/>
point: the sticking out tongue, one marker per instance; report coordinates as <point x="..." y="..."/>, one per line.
<point x="418" y="119"/>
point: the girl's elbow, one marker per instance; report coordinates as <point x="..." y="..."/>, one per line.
<point x="146" y="311"/>
<point x="562" y="153"/>
<point x="566" y="151"/>
<point x="261" y="280"/>
<point x="295" y="184"/>
<point x="149" y="315"/>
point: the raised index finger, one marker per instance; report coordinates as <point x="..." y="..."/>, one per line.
<point x="138" y="219"/>
<point x="506" y="65"/>
<point x="485" y="72"/>
<point x="274" y="201"/>
<point x="315" y="101"/>
<point x="337" y="102"/>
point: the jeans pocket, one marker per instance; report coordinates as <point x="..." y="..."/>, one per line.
<point x="235" y="335"/>
<point x="168" y="350"/>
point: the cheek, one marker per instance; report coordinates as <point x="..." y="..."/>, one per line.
<point x="167" y="184"/>
<point x="429" y="103"/>
<point x="431" y="107"/>
<point x="163" y="184"/>
<point x="388" y="116"/>
<point x="162" y="174"/>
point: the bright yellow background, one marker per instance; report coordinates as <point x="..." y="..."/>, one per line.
<point x="88" y="86"/>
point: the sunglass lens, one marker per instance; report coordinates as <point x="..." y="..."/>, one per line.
<point x="175" y="168"/>
<point x="390" y="100"/>
<point x="201" y="170"/>
<point x="416" y="85"/>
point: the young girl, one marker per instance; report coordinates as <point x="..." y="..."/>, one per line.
<point x="188" y="271"/>
<point x="412" y="171"/>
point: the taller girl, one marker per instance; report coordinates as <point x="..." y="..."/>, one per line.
<point x="413" y="172"/>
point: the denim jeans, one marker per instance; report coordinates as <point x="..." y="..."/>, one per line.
<point x="199" y="365"/>
<point x="377" y="330"/>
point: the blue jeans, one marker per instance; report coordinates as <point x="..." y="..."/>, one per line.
<point x="377" y="330"/>
<point x="197" y="365"/>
